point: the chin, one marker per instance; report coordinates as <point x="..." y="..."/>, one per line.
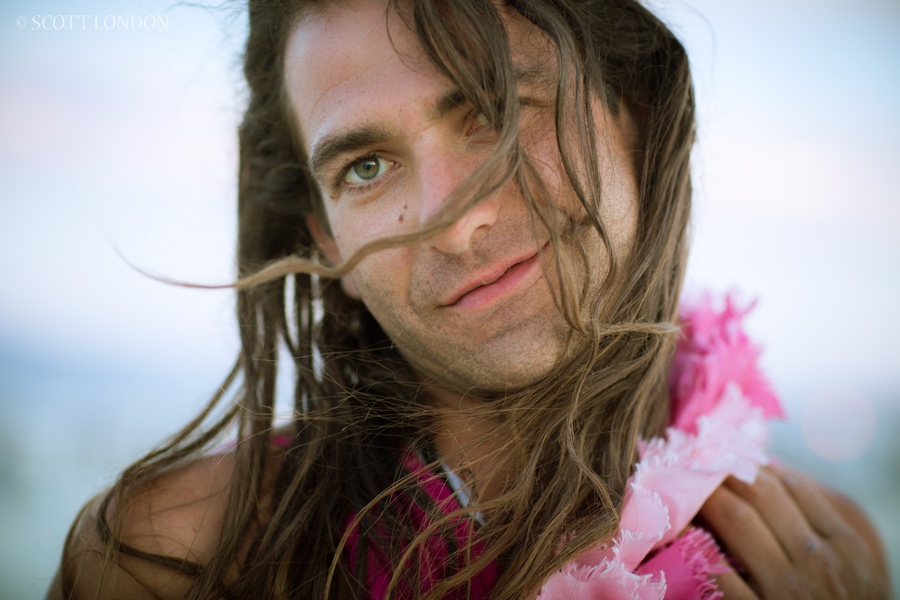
<point x="502" y="365"/>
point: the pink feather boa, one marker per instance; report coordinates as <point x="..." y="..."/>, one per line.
<point x="720" y="403"/>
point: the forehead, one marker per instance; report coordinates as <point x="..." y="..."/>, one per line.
<point x="342" y="52"/>
<point x="357" y="62"/>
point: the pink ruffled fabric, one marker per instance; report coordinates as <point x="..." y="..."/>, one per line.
<point x="713" y="353"/>
<point x="720" y="403"/>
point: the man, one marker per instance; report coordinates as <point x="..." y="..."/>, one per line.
<point x="503" y="191"/>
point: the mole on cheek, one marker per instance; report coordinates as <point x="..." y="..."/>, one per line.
<point x="400" y="219"/>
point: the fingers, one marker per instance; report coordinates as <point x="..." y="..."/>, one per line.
<point x="838" y="519"/>
<point x="793" y="540"/>
<point x="809" y="497"/>
<point x="780" y="512"/>
<point x="733" y="587"/>
<point x="747" y="537"/>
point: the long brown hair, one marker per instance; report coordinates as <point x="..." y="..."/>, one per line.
<point x="571" y="437"/>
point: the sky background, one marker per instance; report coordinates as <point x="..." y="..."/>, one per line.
<point x="120" y="142"/>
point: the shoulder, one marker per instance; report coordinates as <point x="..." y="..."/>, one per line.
<point x="177" y="515"/>
<point x="180" y="513"/>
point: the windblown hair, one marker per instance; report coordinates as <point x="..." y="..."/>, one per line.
<point x="570" y="439"/>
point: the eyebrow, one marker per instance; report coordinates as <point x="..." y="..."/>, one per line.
<point x="332" y="146"/>
<point x="446" y="104"/>
<point x="347" y="142"/>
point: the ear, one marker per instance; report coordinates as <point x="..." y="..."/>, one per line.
<point x="332" y="254"/>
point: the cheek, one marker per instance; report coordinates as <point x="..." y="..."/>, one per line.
<point x="618" y="187"/>
<point x="538" y="138"/>
<point x="619" y="209"/>
<point x="355" y="226"/>
<point x="539" y="141"/>
<point x="352" y="232"/>
<point x="383" y="281"/>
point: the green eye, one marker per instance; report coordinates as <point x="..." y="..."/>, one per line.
<point x="366" y="170"/>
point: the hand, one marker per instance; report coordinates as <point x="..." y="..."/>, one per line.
<point x="793" y="539"/>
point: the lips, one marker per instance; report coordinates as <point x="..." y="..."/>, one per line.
<point x="494" y="282"/>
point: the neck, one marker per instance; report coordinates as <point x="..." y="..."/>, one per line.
<point x="466" y="441"/>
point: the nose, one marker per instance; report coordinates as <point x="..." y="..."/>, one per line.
<point x="441" y="172"/>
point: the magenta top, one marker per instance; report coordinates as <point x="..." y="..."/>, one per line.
<point x="434" y="554"/>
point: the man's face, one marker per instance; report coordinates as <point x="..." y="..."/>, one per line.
<point x="388" y="141"/>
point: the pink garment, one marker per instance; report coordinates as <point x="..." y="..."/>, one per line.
<point x="434" y="555"/>
<point x="720" y="401"/>
<point x="713" y="353"/>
